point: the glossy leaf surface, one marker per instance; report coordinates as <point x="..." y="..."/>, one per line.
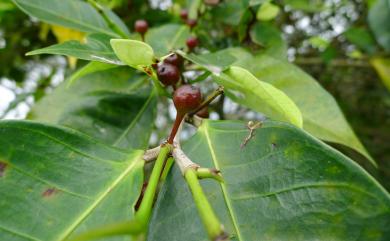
<point x="73" y="14"/>
<point x="108" y="105"/>
<point x="56" y="182"/>
<point x="96" y="48"/>
<point x="282" y="184"/>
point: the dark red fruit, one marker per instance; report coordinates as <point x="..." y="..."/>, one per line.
<point x="168" y="74"/>
<point x="187" y="98"/>
<point x="203" y="113"/>
<point x="192" y="42"/>
<point x="141" y="26"/>
<point x="184" y="14"/>
<point x="174" y="59"/>
<point x="191" y="22"/>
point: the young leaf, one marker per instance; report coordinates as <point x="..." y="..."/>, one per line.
<point x="267" y="11"/>
<point x="134" y="53"/>
<point x="61" y="182"/>
<point x="108" y="105"/>
<point x="73" y="14"/>
<point x="96" y="48"/>
<point x="166" y="38"/>
<point x="282" y="185"/>
<point x="244" y="88"/>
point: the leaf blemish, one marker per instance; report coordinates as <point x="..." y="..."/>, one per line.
<point x="49" y="192"/>
<point x="273" y="145"/>
<point x="3" y="166"/>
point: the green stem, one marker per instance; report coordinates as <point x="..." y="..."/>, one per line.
<point x="132" y="227"/>
<point x="108" y="20"/>
<point x="167" y="167"/>
<point x="206" y="212"/>
<point x="145" y="209"/>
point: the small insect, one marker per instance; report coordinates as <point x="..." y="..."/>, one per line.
<point x="252" y="126"/>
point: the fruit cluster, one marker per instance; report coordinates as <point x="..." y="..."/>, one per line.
<point x="186" y="98"/>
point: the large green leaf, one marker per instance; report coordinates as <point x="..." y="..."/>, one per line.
<point x="108" y="105"/>
<point x="322" y="116"/>
<point x="283" y="185"/>
<point x="96" y="48"/>
<point x="73" y="14"/>
<point x="56" y="182"/>
<point x="379" y="18"/>
<point x="244" y="88"/>
<point x="167" y="38"/>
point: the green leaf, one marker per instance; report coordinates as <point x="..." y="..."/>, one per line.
<point x="361" y="38"/>
<point x="134" y="53"/>
<point x="306" y="5"/>
<point x="270" y="38"/>
<point x="378" y="19"/>
<point x="244" y="88"/>
<point x="322" y="116"/>
<point x="267" y="11"/>
<point x="256" y="2"/>
<point x="283" y="185"/>
<point x="116" y="20"/>
<point x="229" y="12"/>
<point x="73" y="14"/>
<point x="167" y="38"/>
<point x="56" y="182"/>
<point x="382" y="67"/>
<point x="96" y="48"/>
<point x="214" y="62"/>
<point x="108" y="105"/>
<point x="89" y="68"/>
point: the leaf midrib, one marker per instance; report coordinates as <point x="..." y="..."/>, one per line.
<point x="100" y="198"/>
<point x="223" y="186"/>
<point x="137" y="117"/>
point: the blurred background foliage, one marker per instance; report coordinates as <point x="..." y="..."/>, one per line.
<point x="345" y="45"/>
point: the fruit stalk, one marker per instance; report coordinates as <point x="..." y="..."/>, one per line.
<point x="176" y="125"/>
